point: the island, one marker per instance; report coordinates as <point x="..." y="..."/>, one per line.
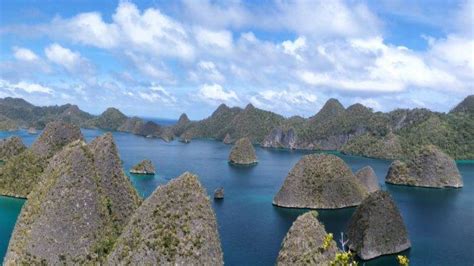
<point x="376" y="228"/>
<point x="429" y="167"/>
<point x="144" y="167"/>
<point x="320" y="181"/>
<point x="304" y="243"/>
<point x="243" y="153"/>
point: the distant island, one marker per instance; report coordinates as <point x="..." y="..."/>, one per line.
<point x="355" y="130"/>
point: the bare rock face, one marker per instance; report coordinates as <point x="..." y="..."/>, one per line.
<point x="368" y="178"/>
<point x="243" y="153"/>
<point x="376" y="228"/>
<point x="219" y="193"/>
<point x="122" y="196"/>
<point x="320" y="181"/>
<point x="303" y="244"/>
<point x="227" y="139"/>
<point x="280" y="138"/>
<point x="144" y="167"/>
<point x="73" y="216"/>
<point x="430" y="167"/>
<point x="174" y="226"/>
<point x="11" y="147"/>
<point x="22" y="172"/>
<point x="55" y="136"/>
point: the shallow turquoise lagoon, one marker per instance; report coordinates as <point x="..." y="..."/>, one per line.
<point x="440" y="222"/>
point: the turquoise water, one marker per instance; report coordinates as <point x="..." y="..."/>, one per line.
<point x="440" y="222"/>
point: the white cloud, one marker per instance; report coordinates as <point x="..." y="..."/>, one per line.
<point x="214" y="39"/>
<point x="206" y="71"/>
<point x="371" y="65"/>
<point x="214" y="93"/>
<point x="24" y="54"/>
<point x="70" y="60"/>
<point x="87" y="28"/>
<point x="293" y="48"/>
<point x="156" y="93"/>
<point x="287" y="100"/>
<point x="24" y="86"/>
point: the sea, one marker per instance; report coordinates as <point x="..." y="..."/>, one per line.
<point x="440" y="222"/>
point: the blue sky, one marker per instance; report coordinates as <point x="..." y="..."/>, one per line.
<point x="162" y="58"/>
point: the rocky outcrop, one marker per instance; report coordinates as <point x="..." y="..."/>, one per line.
<point x="219" y="193"/>
<point x="388" y="147"/>
<point x="144" y="167"/>
<point x="303" y="244"/>
<point x="132" y="125"/>
<point x="7" y="123"/>
<point x="227" y="139"/>
<point x="429" y="167"/>
<point x="55" y="136"/>
<point x="183" y="123"/>
<point x="122" y="197"/>
<point x="280" y="138"/>
<point x="320" y="181"/>
<point x="11" y="147"/>
<point x="174" y="226"/>
<point x="32" y="131"/>
<point x="377" y="228"/>
<point x="368" y="178"/>
<point x="21" y="173"/>
<point x="243" y="153"/>
<point x="76" y="212"/>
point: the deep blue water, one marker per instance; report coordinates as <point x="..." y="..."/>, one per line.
<point x="440" y="221"/>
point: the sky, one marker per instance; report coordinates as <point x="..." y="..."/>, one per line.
<point x="162" y="58"/>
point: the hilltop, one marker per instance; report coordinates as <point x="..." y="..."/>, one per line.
<point x="356" y="130"/>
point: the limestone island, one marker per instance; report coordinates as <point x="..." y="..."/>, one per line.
<point x="368" y="178"/>
<point x="320" y="181"/>
<point x="429" y="167"/>
<point x="174" y="226"/>
<point x="376" y="228"/>
<point x="144" y="167"/>
<point x="303" y="244"/>
<point x="219" y="193"/>
<point x="243" y="153"/>
<point x="77" y="210"/>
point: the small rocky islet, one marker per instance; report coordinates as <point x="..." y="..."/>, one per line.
<point x="144" y="167"/>
<point x="219" y="193"/>
<point x="243" y="153"/>
<point x="368" y="178"/>
<point x="429" y="167"/>
<point x="376" y="228"/>
<point x="320" y="181"/>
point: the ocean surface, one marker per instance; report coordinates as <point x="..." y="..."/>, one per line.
<point x="440" y="221"/>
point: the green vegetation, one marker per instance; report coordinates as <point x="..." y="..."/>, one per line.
<point x="403" y="260"/>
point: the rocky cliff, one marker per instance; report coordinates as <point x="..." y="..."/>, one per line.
<point x="77" y="210"/>
<point x="429" y="167"/>
<point x="376" y="228"/>
<point x="243" y="153"/>
<point x="368" y="178"/>
<point x="11" y="147"/>
<point x="320" y="181"/>
<point x="22" y="172"/>
<point x="303" y="244"/>
<point x="174" y="226"/>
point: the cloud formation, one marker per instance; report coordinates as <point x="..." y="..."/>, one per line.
<point x="207" y="52"/>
